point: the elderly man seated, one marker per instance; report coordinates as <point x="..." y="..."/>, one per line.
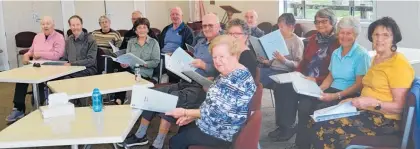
<point x="251" y="17"/>
<point x="80" y="49"/>
<point x="176" y="34"/>
<point x="47" y="45"/>
<point x="190" y="95"/>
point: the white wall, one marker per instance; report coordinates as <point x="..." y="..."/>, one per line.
<point x="4" y="63"/>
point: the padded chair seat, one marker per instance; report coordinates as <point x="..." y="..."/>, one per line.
<point x="390" y="141"/>
<point x="23" y="51"/>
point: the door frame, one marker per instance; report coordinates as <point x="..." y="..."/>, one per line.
<point x="3" y="43"/>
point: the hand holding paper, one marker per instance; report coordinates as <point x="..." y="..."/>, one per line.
<point x="177" y="113"/>
<point x="198" y="63"/>
<point x="364" y="102"/>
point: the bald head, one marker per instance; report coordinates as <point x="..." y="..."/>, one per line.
<point x="211" y="26"/>
<point x="176" y="16"/>
<point x="47" y="25"/>
<point x="251" y="17"/>
<point x="136" y="15"/>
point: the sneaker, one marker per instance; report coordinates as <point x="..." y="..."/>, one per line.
<point x="132" y="140"/>
<point x="275" y="133"/>
<point x="15" y="115"/>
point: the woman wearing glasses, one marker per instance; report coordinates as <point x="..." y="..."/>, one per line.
<point x="314" y="66"/>
<point x="385" y="86"/>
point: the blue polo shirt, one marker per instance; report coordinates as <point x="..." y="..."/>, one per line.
<point x="173" y="39"/>
<point x="201" y="51"/>
<point x="345" y="69"/>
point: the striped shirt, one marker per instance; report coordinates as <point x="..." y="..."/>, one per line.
<point x="225" y="109"/>
<point x="102" y="39"/>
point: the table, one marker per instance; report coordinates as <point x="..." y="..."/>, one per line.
<point x="106" y="83"/>
<point x="111" y="125"/>
<point x="35" y="75"/>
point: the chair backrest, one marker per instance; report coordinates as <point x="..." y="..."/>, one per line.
<point x="413" y="102"/>
<point x="298" y="30"/>
<point x="24" y="39"/>
<point x="69" y="33"/>
<point x="122" y="32"/>
<point x="255" y="103"/>
<point x="156" y="31"/>
<point x="266" y="27"/>
<point x="310" y="33"/>
<point x="59" y="31"/>
<point x="249" y="135"/>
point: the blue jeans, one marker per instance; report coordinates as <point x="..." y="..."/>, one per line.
<point x="265" y="72"/>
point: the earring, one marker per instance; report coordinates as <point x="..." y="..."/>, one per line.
<point x="393" y="48"/>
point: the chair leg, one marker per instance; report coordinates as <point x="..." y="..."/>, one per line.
<point x="272" y="99"/>
<point x="17" y="59"/>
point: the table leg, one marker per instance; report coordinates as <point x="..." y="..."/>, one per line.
<point x="74" y="146"/>
<point x="35" y="90"/>
<point x="115" y="145"/>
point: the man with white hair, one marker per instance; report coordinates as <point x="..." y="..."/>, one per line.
<point x="176" y="34"/>
<point x="47" y="45"/>
<point x="251" y="17"/>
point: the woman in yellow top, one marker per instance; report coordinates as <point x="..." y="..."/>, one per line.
<point x="385" y="86"/>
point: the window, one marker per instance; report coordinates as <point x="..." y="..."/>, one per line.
<point x="306" y="9"/>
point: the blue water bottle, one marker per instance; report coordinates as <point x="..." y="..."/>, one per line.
<point x="96" y="100"/>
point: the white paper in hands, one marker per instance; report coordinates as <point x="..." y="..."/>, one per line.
<point x="114" y="48"/>
<point x="57" y="99"/>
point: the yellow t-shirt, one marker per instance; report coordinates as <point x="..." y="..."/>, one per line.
<point x="395" y="72"/>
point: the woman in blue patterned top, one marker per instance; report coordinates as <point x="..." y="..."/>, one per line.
<point x="225" y="109"/>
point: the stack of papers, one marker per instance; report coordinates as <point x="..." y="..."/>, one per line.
<point x="341" y="110"/>
<point x="300" y="84"/>
<point x="48" y="62"/>
<point x="58" y="105"/>
<point x="152" y="100"/>
<point x="266" y="45"/>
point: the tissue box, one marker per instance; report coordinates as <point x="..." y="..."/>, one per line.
<point x="57" y="110"/>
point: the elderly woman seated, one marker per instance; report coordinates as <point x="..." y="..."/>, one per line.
<point x="145" y="48"/>
<point x="225" y="108"/>
<point x="314" y="66"/>
<point x="385" y="86"/>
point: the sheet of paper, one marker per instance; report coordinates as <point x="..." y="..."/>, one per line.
<point x="272" y="42"/>
<point x="182" y="59"/>
<point x="203" y="81"/>
<point x="114" y="48"/>
<point x="258" y="49"/>
<point x="129" y="59"/>
<point x="306" y="87"/>
<point x="152" y="100"/>
<point x="341" y="110"/>
<point x="286" y="77"/>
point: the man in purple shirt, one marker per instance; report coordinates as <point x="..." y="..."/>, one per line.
<point x="47" y="45"/>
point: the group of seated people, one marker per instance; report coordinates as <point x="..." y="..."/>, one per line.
<point x="214" y="116"/>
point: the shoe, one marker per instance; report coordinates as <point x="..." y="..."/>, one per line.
<point x="285" y="135"/>
<point x="15" y="115"/>
<point x="132" y="140"/>
<point x="276" y="132"/>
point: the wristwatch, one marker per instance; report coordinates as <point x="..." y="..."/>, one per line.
<point x="378" y="106"/>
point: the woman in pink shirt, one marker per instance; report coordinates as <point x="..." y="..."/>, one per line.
<point x="47" y="45"/>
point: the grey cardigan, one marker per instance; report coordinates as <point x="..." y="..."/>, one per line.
<point x="81" y="52"/>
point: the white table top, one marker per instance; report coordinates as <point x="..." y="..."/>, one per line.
<point x="106" y="83"/>
<point x="112" y="125"/>
<point x="29" y="74"/>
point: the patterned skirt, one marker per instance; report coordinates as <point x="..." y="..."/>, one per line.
<point x="337" y="133"/>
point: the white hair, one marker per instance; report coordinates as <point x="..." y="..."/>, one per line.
<point x="349" y="22"/>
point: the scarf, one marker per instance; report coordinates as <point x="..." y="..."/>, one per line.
<point x="317" y="60"/>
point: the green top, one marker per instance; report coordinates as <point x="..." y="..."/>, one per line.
<point x="149" y="52"/>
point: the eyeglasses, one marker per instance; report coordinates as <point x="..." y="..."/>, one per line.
<point x="317" y="22"/>
<point x="210" y="26"/>
<point x="236" y="35"/>
<point x="384" y="35"/>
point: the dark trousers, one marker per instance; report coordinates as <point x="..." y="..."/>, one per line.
<point x="190" y="96"/>
<point x="192" y="135"/>
<point x="20" y="93"/>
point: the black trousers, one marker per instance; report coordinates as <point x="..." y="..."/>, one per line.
<point x="192" y="135"/>
<point x="20" y="93"/>
<point x="289" y="102"/>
